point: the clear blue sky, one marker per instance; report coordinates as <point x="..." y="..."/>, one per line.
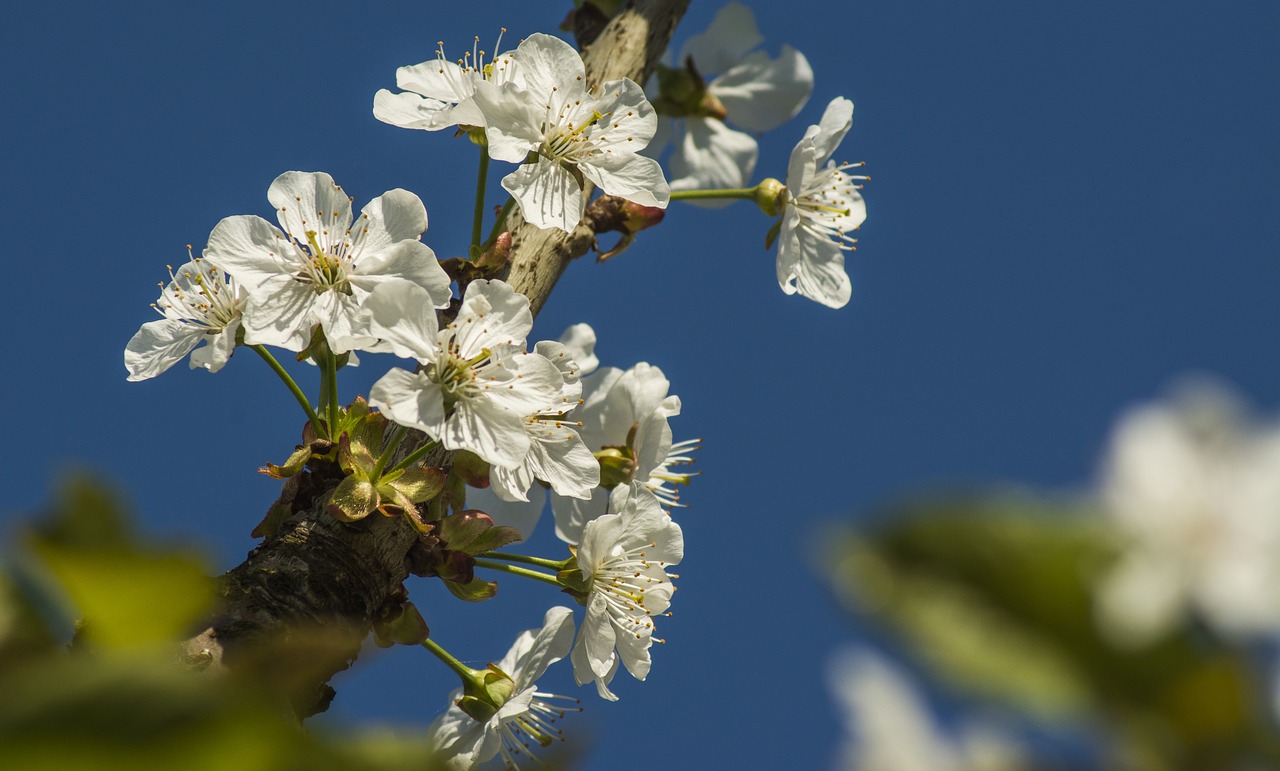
<point x="1070" y="206"/>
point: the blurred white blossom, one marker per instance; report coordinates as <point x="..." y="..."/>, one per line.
<point x="890" y="728"/>
<point x="1194" y="487"/>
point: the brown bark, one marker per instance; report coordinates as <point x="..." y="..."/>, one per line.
<point x="296" y="610"/>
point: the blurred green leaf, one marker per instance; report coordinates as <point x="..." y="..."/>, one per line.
<point x="995" y="595"/>
<point x="126" y="593"/>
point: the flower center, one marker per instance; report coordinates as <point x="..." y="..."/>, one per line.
<point x="326" y="269"/>
<point x="536" y="724"/>
<point x="826" y="204"/>
<point x="201" y="295"/>
<point x="566" y="141"/>
<point x="457" y="376"/>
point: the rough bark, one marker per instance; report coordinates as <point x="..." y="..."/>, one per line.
<point x="296" y="610"/>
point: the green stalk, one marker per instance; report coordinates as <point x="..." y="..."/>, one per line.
<point x="498" y="223"/>
<point x="416" y="455"/>
<point x="477" y="220"/>
<point x="503" y="567"/>
<point x="465" y="672"/>
<point x="303" y="401"/>
<point x="385" y="457"/>
<point x="330" y="368"/>
<point x="538" y="561"/>
<point x="734" y="192"/>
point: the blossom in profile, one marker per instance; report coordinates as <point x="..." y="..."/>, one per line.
<point x="740" y="86"/>
<point x="437" y="93"/>
<point x="821" y="205"/>
<point x="527" y="717"/>
<point x="1194" y="487"/>
<point x="323" y="267"/>
<point x="890" y="728"/>
<point x="623" y="558"/>
<point x="625" y="420"/>
<point x="477" y="383"/>
<point x="577" y="134"/>
<point x="200" y="303"/>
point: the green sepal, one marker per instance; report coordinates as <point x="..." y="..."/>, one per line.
<point x="772" y="235"/>
<point x="471" y="468"/>
<point x="419" y="484"/>
<point x="475" y="590"/>
<point x="573" y="580"/>
<point x="409" y="628"/>
<point x="473" y="532"/>
<point x="353" y="499"/>
<point x="367" y="432"/>
<point x="291" y="466"/>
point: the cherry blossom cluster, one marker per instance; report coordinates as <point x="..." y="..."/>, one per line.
<point x="509" y="427"/>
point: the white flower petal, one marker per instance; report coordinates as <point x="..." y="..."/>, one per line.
<point x="217" y="350"/>
<point x="411" y="111"/>
<point x="158" y="345"/>
<point x="836" y="121"/>
<point x="731" y="34"/>
<point x="249" y="248"/>
<point x="310" y="201"/>
<point x="630" y="176"/>
<point x="401" y="314"/>
<point x="573" y="514"/>
<point x="495" y="434"/>
<point x="535" y="650"/>
<point x="814" y="267"/>
<point x="521" y="515"/>
<point x="410" y="399"/>
<point x="580" y="341"/>
<point x="549" y="196"/>
<point x="282" y="317"/>
<point x="712" y="155"/>
<point x="760" y="93"/>
<point x="396" y="215"/>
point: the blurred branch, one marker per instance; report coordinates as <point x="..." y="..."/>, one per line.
<point x="319" y="574"/>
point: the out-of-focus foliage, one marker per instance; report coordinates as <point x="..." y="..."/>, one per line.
<point x="996" y="596"/>
<point x="115" y="694"/>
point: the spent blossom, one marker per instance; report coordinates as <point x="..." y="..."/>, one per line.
<point x="577" y="133"/>
<point x="623" y="558"/>
<point x="821" y="204"/>
<point x="528" y="716"/>
<point x="322" y="269"/>
<point x="199" y="303"/>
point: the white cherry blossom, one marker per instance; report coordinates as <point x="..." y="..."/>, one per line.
<point x="624" y="556"/>
<point x="557" y="455"/>
<point x="757" y="93"/>
<point x="477" y="382"/>
<point x="322" y="268"/>
<point x="890" y="727"/>
<point x="437" y="93"/>
<point x="199" y="303"/>
<point x="822" y="204"/>
<point x="529" y="715"/>
<point x="574" y="355"/>
<point x="1195" y="490"/>
<point x="577" y="133"/>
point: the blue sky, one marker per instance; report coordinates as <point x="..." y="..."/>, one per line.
<point x="1071" y="206"/>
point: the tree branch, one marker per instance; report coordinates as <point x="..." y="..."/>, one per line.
<point x="310" y="593"/>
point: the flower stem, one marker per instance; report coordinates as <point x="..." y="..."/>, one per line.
<point x="416" y="455"/>
<point x="465" y="672"/>
<point x="734" y="192"/>
<point x="303" y="401"/>
<point x="330" y="368"/>
<point x="477" y="220"/>
<point x="498" y="223"/>
<point x="514" y="570"/>
<point x="385" y="457"/>
<point x="538" y="561"/>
